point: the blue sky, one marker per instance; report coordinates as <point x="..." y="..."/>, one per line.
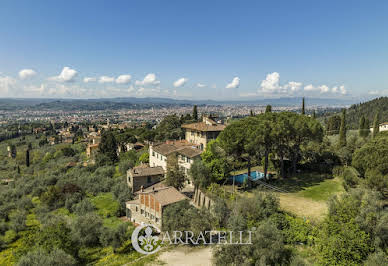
<point x="193" y="49"/>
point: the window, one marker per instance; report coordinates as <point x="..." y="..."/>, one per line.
<point x="157" y="220"/>
<point x="142" y="211"/>
<point x="152" y="217"/>
<point x="153" y="153"/>
<point x="137" y="209"/>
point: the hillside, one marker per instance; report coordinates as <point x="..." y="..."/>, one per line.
<point x="369" y="110"/>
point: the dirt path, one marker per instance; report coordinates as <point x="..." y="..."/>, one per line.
<point x="186" y="256"/>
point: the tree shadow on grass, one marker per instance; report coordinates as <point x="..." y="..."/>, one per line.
<point x="300" y="181"/>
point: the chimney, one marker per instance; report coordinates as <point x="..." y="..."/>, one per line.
<point x="142" y="189"/>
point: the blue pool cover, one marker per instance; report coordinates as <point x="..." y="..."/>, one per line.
<point x="255" y="175"/>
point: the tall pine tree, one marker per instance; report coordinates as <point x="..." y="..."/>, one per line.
<point x="195" y="113"/>
<point x="28" y="158"/>
<point x="268" y="109"/>
<point x="342" y="133"/>
<point x="376" y="125"/>
<point x="108" y="146"/>
<point x="303" y="111"/>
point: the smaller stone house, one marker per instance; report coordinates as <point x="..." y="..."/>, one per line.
<point x="90" y="149"/>
<point x="149" y="206"/>
<point x="144" y="176"/>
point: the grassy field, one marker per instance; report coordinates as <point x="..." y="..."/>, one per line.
<point x="308" y="194"/>
<point x="107" y="207"/>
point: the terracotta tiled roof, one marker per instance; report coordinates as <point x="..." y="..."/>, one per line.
<point x="190" y="152"/>
<point x="146" y="171"/>
<point x="172" y="146"/>
<point x="202" y="126"/>
<point x="167" y="195"/>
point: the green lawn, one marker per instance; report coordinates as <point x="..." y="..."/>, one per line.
<point x="308" y="193"/>
<point x="322" y="191"/>
<point x="107" y="207"/>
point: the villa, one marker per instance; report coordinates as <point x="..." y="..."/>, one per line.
<point x="148" y="207"/>
<point x="202" y="132"/>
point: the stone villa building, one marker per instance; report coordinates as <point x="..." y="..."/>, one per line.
<point x="148" y="207"/>
<point x="202" y="132"/>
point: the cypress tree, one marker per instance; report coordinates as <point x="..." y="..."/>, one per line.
<point x="28" y="158"/>
<point x="108" y="146"/>
<point x="376" y="125"/>
<point x="251" y="113"/>
<point x="314" y="114"/>
<point x="195" y="113"/>
<point x="361" y="127"/>
<point x="268" y="109"/>
<point x="342" y="136"/>
<point x="303" y="112"/>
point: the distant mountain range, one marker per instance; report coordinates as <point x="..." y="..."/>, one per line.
<point x="133" y="102"/>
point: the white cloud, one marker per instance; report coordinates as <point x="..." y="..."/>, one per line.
<point x="309" y="87"/>
<point x="234" y="84"/>
<point x="201" y="85"/>
<point x="67" y="75"/>
<point x="293" y="86"/>
<point x="106" y="79"/>
<point x="7" y="85"/>
<point x="325" y="89"/>
<point x="26" y="73"/>
<point x="123" y="79"/>
<point x="271" y="83"/>
<point x="180" y="82"/>
<point x="89" y="79"/>
<point x="343" y="90"/>
<point x="149" y="79"/>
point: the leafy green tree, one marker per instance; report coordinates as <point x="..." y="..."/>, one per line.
<point x="220" y="212"/>
<point x="86" y="230"/>
<point x="144" y="157"/>
<point x="200" y="174"/>
<point x="83" y="207"/>
<point x="57" y="235"/>
<point x="18" y="221"/>
<point x="376" y="259"/>
<point x="343" y="238"/>
<point x="371" y="162"/>
<point x="169" y="128"/>
<point x="268" y="109"/>
<point x="40" y="257"/>
<point x="175" y="176"/>
<point x="342" y="136"/>
<point x="333" y="125"/>
<point x="216" y="162"/>
<point x="303" y="111"/>
<point x="267" y="249"/>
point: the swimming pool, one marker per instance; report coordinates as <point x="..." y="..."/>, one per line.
<point x="255" y="175"/>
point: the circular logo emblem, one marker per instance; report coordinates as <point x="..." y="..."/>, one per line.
<point x="143" y="241"/>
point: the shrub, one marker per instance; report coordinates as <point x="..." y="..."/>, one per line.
<point x="351" y="178"/>
<point x="40" y="257"/>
